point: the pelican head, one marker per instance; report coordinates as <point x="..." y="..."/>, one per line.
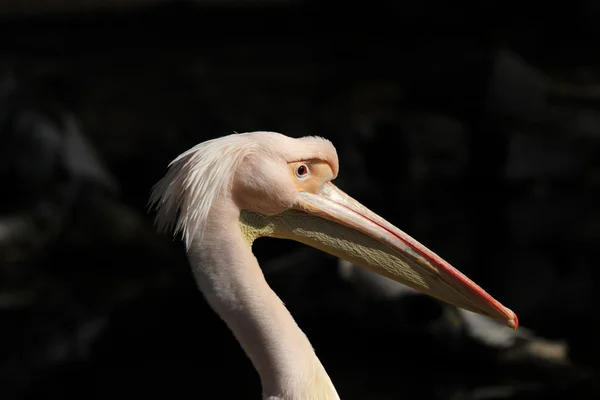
<point x="283" y="187"/>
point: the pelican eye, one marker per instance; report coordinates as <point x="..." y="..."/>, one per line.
<point x="302" y="171"/>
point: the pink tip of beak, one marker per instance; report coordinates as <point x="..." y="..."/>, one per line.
<point x="514" y="323"/>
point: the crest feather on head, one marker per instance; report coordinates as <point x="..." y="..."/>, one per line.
<point x="194" y="181"/>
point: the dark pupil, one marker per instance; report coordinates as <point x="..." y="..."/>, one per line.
<point x="301" y="170"/>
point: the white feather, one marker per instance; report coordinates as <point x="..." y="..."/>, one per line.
<point x="195" y="180"/>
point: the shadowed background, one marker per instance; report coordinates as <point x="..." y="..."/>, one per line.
<point x="475" y="129"/>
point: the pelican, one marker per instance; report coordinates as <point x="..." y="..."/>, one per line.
<point x="224" y="193"/>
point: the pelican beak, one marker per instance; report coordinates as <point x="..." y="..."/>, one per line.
<point x="334" y="222"/>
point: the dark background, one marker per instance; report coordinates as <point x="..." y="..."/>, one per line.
<point x="474" y="127"/>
